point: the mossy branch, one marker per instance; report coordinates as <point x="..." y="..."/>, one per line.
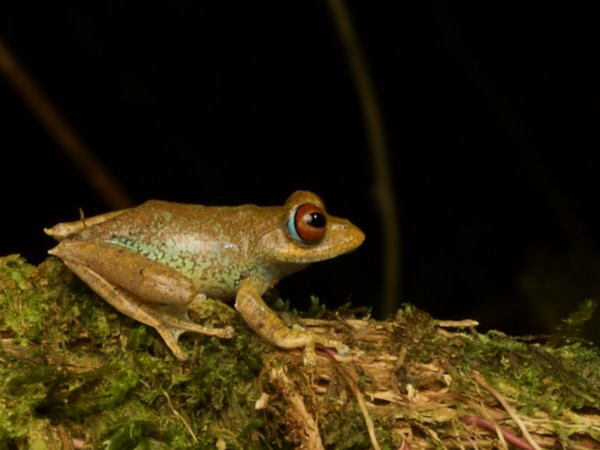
<point x="74" y="373"/>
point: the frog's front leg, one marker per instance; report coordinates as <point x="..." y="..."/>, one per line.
<point x="144" y="290"/>
<point x="267" y="324"/>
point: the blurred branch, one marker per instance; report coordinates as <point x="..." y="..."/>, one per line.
<point x="383" y="188"/>
<point x="64" y="134"/>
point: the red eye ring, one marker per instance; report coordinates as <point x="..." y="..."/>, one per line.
<point x="307" y="224"/>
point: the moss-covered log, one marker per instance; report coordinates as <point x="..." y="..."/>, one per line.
<point x="74" y="373"/>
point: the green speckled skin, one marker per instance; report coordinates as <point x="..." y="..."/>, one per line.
<point x="204" y="243"/>
<point x="169" y="253"/>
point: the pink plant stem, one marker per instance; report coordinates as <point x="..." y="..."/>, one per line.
<point x="486" y="424"/>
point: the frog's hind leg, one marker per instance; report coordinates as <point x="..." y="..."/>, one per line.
<point x="169" y="326"/>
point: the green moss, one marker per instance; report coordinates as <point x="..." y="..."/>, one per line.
<point x="536" y="375"/>
<point x="68" y="357"/>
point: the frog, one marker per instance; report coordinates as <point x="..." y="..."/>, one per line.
<point x="152" y="261"/>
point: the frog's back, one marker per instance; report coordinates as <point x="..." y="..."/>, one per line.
<point x="211" y="244"/>
<point x="159" y="227"/>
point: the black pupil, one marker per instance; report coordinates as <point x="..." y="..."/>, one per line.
<point x="315" y="219"/>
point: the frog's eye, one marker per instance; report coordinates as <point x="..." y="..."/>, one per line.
<point x="307" y="224"/>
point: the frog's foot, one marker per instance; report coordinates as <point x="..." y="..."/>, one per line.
<point x="177" y="323"/>
<point x="310" y="357"/>
<point x="171" y="322"/>
<point x="170" y="328"/>
<point x="269" y="326"/>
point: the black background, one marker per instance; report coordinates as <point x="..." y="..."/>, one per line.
<point x="491" y="113"/>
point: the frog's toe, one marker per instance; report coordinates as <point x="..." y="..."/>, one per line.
<point x="310" y="356"/>
<point x="223" y="333"/>
<point x="170" y="336"/>
<point x="342" y="348"/>
<point x="180" y="354"/>
<point x="339" y="346"/>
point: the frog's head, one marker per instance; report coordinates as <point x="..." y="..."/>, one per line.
<point x="308" y="234"/>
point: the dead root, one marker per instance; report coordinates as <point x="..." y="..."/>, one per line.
<point x="414" y="383"/>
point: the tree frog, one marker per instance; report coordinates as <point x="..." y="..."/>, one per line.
<point x="151" y="261"/>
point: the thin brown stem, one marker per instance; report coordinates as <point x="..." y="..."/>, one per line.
<point x="59" y="128"/>
<point x="383" y="189"/>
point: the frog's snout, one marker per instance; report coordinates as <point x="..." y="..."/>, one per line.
<point x="346" y="237"/>
<point x="360" y="237"/>
<point x="356" y="238"/>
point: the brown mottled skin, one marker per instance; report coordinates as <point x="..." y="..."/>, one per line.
<point x="152" y="261"/>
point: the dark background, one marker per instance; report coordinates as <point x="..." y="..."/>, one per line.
<point x="491" y="113"/>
